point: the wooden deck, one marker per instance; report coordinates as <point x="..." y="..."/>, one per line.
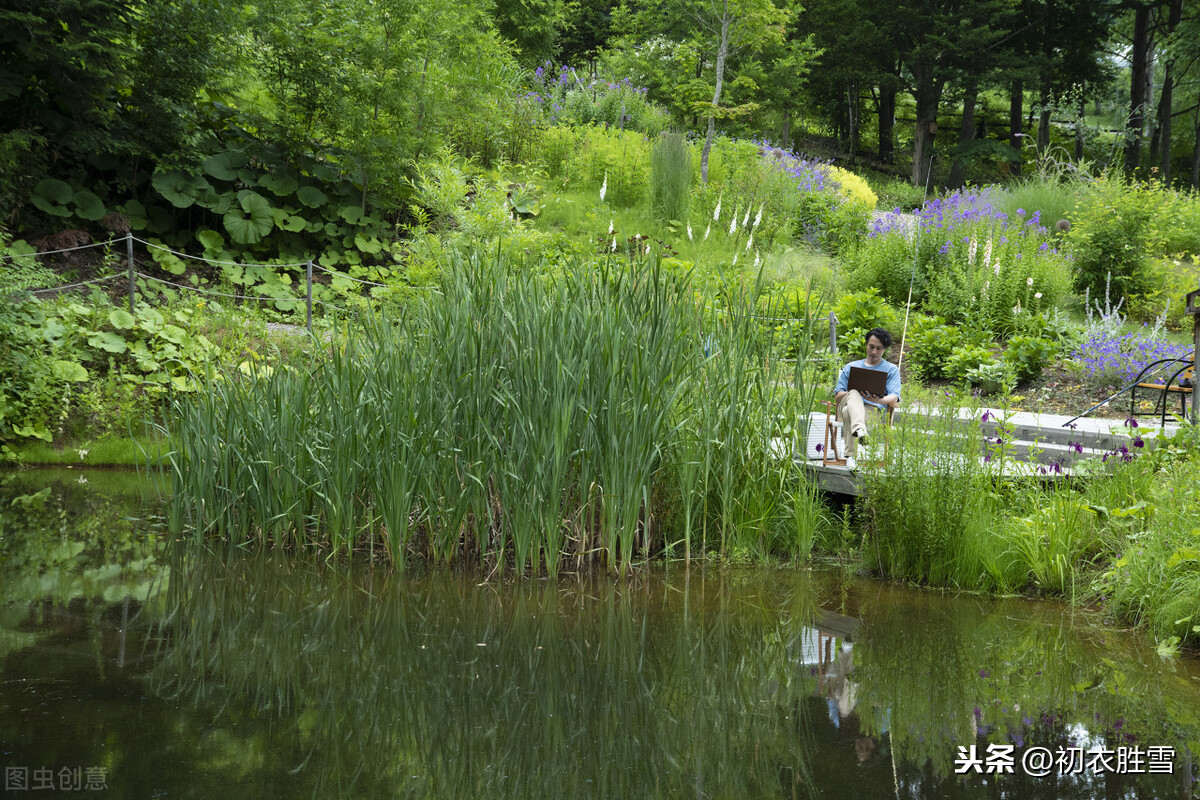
<point x="1041" y="446"/>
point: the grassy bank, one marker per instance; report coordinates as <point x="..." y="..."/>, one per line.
<point x="1121" y="534"/>
<point x="107" y="451"/>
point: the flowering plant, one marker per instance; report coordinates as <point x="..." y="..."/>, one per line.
<point x="966" y="260"/>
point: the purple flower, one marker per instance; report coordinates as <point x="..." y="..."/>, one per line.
<point x="1138" y="442"/>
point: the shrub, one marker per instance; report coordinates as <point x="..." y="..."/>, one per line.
<point x="854" y="188"/>
<point x="930" y="346"/>
<point x="1119" y="226"/>
<point x="563" y="96"/>
<point x="1027" y="356"/>
<point x="992" y="377"/>
<point x="858" y="313"/>
<point x="897" y="193"/>
<point x="617" y="161"/>
<point x="965" y="358"/>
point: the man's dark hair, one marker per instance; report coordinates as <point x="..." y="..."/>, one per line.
<point x="881" y="334"/>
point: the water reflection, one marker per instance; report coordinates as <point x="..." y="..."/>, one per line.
<point x="205" y="671"/>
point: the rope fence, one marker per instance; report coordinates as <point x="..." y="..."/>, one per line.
<point x="132" y="274"/>
<point x="40" y="253"/>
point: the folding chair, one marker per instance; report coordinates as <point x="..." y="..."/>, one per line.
<point x="833" y="427"/>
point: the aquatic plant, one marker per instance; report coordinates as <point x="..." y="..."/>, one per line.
<point x="514" y="419"/>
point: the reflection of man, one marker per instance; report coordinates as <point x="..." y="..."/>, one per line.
<point x="852" y="404"/>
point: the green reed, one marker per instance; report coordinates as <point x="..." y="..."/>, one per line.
<point x="934" y="506"/>
<point x="513" y="418"/>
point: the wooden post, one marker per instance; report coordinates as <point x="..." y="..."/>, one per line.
<point x="833" y="333"/>
<point x="129" y="254"/>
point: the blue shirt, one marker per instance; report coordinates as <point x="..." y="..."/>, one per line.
<point x="893" y="377"/>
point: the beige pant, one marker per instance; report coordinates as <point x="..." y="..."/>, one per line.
<point x="852" y="413"/>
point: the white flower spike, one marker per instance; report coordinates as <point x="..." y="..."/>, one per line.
<point x="604" y="187"/>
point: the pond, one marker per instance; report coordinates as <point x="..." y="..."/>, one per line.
<point x="136" y="665"/>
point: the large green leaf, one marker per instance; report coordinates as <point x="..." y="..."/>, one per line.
<point x="312" y="197"/>
<point x="173" y="333"/>
<point x="136" y="213"/>
<point x="294" y="224"/>
<point x="224" y="166"/>
<point x="211" y="240"/>
<point x="367" y="244"/>
<point x="53" y="190"/>
<point x="88" y="205"/>
<point x="351" y="214"/>
<point x="121" y="319"/>
<point x="280" y="184"/>
<point x="108" y="341"/>
<point x="180" y="189"/>
<point x="69" y="370"/>
<point x="249" y="227"/>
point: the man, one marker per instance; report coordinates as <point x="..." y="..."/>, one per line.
<point x="852" y="404"/>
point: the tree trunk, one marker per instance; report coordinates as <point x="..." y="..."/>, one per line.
<point x="1043" y="131"/>
<point x="1165" y="101"/>
<point x="966" y="135"/>
<point x="1196" y="149"/>
<point x="786" y="135"/>
<point x="1080" y="122"/>
<point x="722" y="53"/>
<point x="852" y="112"/>
<point x="1016" y="101"/>
<point x="927" y="94"/>
<point x="887" y="123"/>
<point x="1043" y="134"/>
<point x="1137" y="89"/>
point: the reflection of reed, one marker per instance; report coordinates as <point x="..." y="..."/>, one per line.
<point x="436" y="686"/>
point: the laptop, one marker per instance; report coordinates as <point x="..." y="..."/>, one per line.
<point x="868" y="380"/>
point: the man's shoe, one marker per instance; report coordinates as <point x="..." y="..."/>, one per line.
<point x="861" y="436"/>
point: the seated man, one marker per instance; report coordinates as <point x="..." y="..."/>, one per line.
<point x="852" y="404"/>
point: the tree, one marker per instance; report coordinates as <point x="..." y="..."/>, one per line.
<point x="534" y="26"/>
<point x="936" y="42"/>
<point x="685" y="52"/>
<point x="855" y="56"/>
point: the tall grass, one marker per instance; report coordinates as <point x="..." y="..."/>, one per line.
<point x="670" y="177"/>
<point x="932" y="508"/>
<point x="601" y="418"/>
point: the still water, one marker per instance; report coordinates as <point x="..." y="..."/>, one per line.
<point x="133" y="665"/>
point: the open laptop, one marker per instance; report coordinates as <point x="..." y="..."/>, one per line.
<point x="868" y="380"/>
